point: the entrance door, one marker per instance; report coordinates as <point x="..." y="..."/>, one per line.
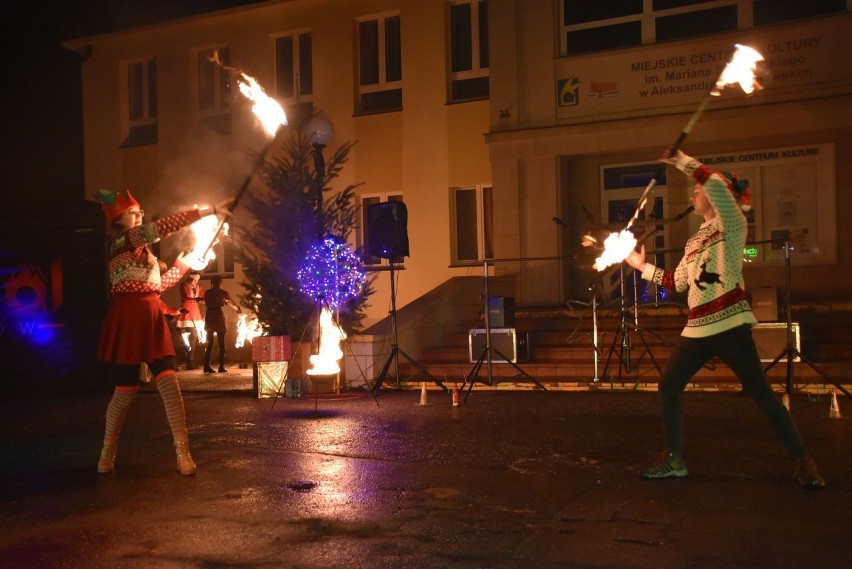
<point x="622" y="185"/>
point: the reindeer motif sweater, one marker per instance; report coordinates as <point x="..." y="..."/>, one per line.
<point x="132" y="266"/>
<point x="711" y="267"/>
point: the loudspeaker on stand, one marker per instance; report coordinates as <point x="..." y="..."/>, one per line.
<point x="387" y="230"/>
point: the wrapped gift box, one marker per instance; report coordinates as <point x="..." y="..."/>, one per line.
<point x="270" y="349"/>
<point x="268" y="378"/>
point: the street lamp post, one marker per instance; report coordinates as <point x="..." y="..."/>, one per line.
<point x="320" y="131"/>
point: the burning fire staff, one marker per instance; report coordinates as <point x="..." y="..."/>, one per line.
<point x="719" y="320"/>
<point x="135" y="328"/>
<point x="190" y="321"/>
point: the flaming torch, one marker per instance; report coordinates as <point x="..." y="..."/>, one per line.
<point x="616" y="248"/>
<point x="268" y="112"/>
<point x="204" y="231"/>
<point x="739" y="70"/>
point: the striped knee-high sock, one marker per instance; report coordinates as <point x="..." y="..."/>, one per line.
<point x="116" y="412"/>
<point x="169" y="389"/>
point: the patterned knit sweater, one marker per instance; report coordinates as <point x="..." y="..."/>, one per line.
<point x="711" y="267"/>
<point x="132" y="266"/>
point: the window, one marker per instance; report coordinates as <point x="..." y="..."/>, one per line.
<point x="140" y="125"/>
<point x="468" y="51"/>
<point x="214" y="90"/>
<point x="364" y="238"/>
<point x="294" y="77"/>
<point x="622" y="185"/>
<point x="223" y="264"/>
<point x="472" y="224"/>
<point x="597" y="26"/>
<point x="767" y="12"/>
<point x="379" y="65"/>
<point x="712" y="21"/>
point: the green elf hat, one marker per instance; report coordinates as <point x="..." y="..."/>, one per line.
<point x="114" y="204"/>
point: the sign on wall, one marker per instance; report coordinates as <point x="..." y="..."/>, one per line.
<point x="793" y="193"/>
<point x="801" y="61"/>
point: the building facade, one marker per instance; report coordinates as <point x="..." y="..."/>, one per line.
<point x="510" y="128"/>
<point x="584" y="98"/>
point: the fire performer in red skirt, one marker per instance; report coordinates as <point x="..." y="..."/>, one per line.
<point x="190" y="320"/>
<point x="135" y="329"/>
<point x="719" y="320"/>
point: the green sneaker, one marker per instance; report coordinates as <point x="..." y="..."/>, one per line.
<point x="808" y="475"/>
<point x="669" y="466"/>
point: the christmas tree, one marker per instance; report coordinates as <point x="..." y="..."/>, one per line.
<point x="286" y="224"/>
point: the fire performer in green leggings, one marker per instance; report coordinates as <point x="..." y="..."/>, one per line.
<point x="719" y="320"/>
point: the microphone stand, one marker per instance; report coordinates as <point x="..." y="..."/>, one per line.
<point x="790" y="350"/>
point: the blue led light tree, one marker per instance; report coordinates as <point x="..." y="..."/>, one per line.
<point x="331" y="273"/>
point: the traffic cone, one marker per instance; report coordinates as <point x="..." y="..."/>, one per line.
<point x="423" y="400"/>
<point x="834" y="411"/>
<point x="785" y="399"/>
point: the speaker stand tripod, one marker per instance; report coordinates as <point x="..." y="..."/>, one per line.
<point x="623" y="334"/>
<point x="790" y="352"/>
<point x="486" y="356"/>
<point x="396" y="351"/>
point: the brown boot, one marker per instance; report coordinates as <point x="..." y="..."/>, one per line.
<point x="185" y="464"/>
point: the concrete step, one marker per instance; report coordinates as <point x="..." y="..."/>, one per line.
<point x="642" y="371"/>
<point x="561" y="350"/>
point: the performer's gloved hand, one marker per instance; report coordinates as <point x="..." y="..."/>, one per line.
<point x="225" y="208"/>
<point x="679" y="160"/>
<point x="670" y="157"/>
<point x="637" y="259"/>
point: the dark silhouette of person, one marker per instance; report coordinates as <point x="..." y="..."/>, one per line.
<point x="215" y="298"/>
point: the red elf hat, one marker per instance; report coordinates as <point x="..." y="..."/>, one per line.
<point x="114" y="204"/>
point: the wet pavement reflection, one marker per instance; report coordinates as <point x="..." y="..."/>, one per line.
<point x="509" y="480"/>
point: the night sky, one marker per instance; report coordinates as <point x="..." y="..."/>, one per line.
<point x="42" y="155"/>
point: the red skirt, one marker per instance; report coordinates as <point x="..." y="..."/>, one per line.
<point x="135" y="330"/>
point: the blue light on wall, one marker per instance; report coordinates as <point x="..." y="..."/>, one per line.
<point x="331" y="272"/>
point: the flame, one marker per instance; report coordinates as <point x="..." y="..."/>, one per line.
<point x="203" y="231"/>
<point x="267" y="109"/>
<point x="616" y="248"/>
<point x="588" y="240"/>
<point x="200" y="333"/>
<point x="326" y="361"/>
<point x="247" y="330"/>
<point x="740" y="70"/>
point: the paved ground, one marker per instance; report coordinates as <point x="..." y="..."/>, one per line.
<point x="510" y="480"/>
